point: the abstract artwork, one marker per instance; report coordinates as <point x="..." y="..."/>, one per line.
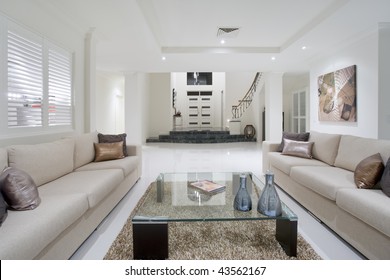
<point x="337" y="95"/>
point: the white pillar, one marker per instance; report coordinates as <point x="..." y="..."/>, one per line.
<point x="90" y="82"/>
<point x="273" y="106"/>
<point x="133" y="109"/>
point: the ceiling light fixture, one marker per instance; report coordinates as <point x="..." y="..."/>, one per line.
<point x="222" y="41"/>
<point x="304" y="48"/>
<point x="273" y="58"/>
<point x="163" y="58"/>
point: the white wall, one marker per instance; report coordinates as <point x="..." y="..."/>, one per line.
<point x="159" y="104"/>
<point x="110" y="91"/>
<point x="364" y="54"/>
<point x="384" y="82"/>
<point x="50" y="25"/>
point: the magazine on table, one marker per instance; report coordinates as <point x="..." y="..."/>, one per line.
<point x="208" y="186"/>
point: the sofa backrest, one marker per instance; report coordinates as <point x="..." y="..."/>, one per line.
<point x="353" y="149"/>
<point x="43" y="162"/>
<point x="325" y="146"/>
<point x="84" y="151"/>
<point x="3" y="158"/>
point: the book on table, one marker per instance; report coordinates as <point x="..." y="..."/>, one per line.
<point x="207" y="186"/>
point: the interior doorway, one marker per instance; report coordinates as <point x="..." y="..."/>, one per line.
<point x="199" y="109"/>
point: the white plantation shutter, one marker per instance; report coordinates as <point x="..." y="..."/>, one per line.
<point x="59" y="87"/>
<point x="35" y="82"/>
<point x="25" y="80"/>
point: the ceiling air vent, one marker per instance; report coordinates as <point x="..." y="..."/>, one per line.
<point x="228" y="32"/>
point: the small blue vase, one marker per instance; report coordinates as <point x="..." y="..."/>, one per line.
<point x="269" y="203"/>
<point x="242" y="200"/>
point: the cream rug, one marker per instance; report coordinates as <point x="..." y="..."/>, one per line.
<point x="228" y="240"/>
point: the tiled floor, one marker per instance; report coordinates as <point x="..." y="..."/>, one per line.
<point x="160" y="158"/>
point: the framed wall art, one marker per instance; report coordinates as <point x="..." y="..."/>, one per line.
<point x="337" y="95"/>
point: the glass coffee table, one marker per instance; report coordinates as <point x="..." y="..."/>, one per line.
<point x="172" y="198"/>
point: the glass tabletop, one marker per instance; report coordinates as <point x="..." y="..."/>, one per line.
<point x="174" y="197"/>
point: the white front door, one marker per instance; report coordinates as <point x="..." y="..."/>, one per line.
<point x="199" y="108"/>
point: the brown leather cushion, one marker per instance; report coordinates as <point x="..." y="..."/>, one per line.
<point x="369" y="171"/>
<point x="111" y="138"/>
<point x="297" y="148"/>
<point x="19" y="189"/>
<point x="108" y="151"/>
<point x="304" y="137"/>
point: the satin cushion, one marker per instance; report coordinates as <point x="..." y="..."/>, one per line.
<point x="112" y="138"/>
<point x="19" y="189"/>
<point x="304" y="137"/>
<point x="108" y="151"/>
<point x="369" y="171"/>
<point x="297" y="148"/>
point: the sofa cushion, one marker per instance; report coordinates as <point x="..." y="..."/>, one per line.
<point x="384" y="182"/>
<point x="112" y="138"/>
<point x="43" y="162"/>
<point x="25" y="234"/>
<point x="127" y="165"/>
<point x="370" y="206"/>
<point x="297" y="148"/>
<point x="96" y="184"/>
<point x="293" y="136"/>
<point x="19" y="189"/>
<point x="285" y="163"/>
<point x="325" y="146"/>
<point x="84" y="151"/>
<point x="324" y="180"/>
<point x="108" y="151"/>
<point x="3" y="158"/>
<point x="354" y="149"/>
<point x="369" y="171"/>
<point x="3" y="210"/>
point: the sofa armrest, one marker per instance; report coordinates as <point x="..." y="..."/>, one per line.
<point x="134" y="150"/>
<point x="268" y="147"/>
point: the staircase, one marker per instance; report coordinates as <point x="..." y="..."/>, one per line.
<point x="199" y="136"/>
<point x="238" y="110"/>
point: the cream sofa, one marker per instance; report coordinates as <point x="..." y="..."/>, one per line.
<point x="325" y="186"/>
<point x="76" y="195"/>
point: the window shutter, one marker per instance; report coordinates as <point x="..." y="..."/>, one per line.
<point x="59" y="87"/>
<point x="25" y="79"/>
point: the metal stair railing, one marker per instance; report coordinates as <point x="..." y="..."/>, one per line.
<point x="238" y="110"/>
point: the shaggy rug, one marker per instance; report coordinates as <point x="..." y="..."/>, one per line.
<point x="227" y="240"/>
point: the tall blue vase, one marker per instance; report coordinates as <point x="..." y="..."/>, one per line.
<point x="269" y="203"/>
<point x="242" y="200"/>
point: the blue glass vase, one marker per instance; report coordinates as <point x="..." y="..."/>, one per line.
<point x="269" y="203"/>
<point x="242" y="200"/>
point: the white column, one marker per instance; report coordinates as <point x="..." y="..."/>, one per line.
<point x="273" y="106"/>
<point x="90" y="82"/>
<point x="133" y="109"/>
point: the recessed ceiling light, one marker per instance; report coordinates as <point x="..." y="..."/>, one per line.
<point x="273" y="58"/>
<point x="304" y="48"/>
<point x="222" y="41"/>
<point x="163" y="58"/>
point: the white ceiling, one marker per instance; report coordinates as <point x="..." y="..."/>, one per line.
<point x="133" y="35"/>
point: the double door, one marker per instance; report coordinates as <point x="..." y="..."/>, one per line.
<point x="199" y="108"/>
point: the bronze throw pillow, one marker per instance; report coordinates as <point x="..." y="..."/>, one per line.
<point x="19" y="189"/>
<point x="112" y="138"/>
<point x="297" y="148"/>
<point x="108" y="151"/>
<point x="369" y="171"/>
<point x="303" y="137"/>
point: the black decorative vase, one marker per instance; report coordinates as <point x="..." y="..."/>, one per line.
<point x="242" y="200"/>
<point x="269" y="203"/>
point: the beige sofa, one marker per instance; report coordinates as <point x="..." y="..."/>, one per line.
<point x="325" y="186"/>
<point x="76" y="195"/>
